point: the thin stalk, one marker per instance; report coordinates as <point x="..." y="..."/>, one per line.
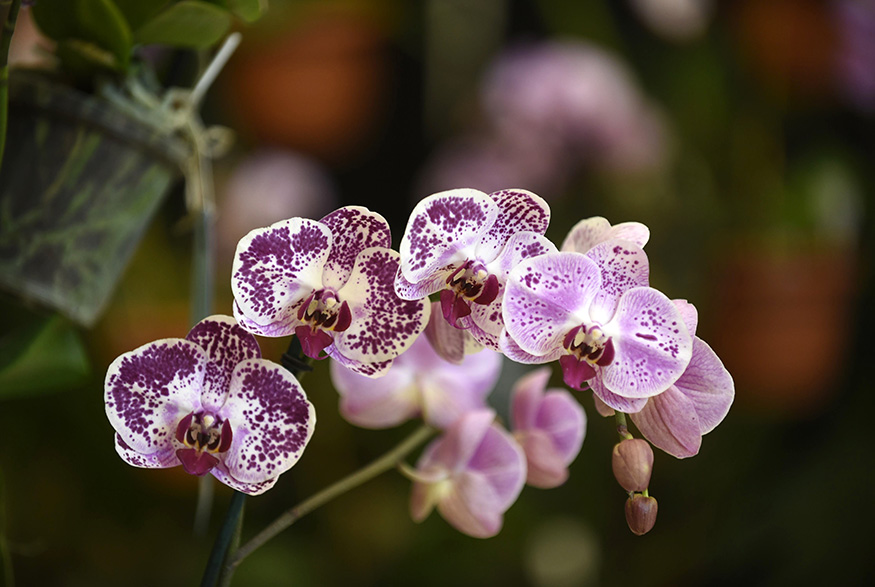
<point x="224" y="540"/>
<point x="10" y="8"/>
<point x="388" y="461"/>
<point x="622" y="428"/>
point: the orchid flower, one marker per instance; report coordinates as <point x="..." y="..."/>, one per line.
<point x="463" y="243"/>
<point x="331" y="284"/>
<point x="211" y="404"/>
<point x="595" y="314"/>
<point x="472" y="473"/>
<point x="590" y="232"/>
<point x="549" y="425"/>
<point x="676" y="419"/>
<point x="419" y="383"/>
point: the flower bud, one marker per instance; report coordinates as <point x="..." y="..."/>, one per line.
<point x="641" y="513"/>
<point x="632" y="461"/>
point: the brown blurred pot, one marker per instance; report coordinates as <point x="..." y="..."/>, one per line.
<point x="782" y="322"/>
<point x="317" y="89"/>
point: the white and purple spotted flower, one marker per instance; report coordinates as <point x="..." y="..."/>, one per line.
<point x="463" y="243"/>
<point x="208" y="402"/>
<point x="676" y="419"/>
<point x="596" y="315"/>
<point x="550" y="426"/>
<point x="591" y="231"/>
<point x="419" y="383"/>
<point x="472" y="473"/>
<point x="331" y="283"/>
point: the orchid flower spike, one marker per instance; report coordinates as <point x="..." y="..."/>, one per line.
<point x="208" y="402"/>
<point x="472" y="473"/>
<point x="463" y="243"/>
<point x="330" y="283"/>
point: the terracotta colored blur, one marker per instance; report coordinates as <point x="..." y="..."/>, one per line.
<point x="783" y="325"/>
<point x="317" y="89"/>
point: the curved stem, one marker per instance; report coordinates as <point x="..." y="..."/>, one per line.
<point x="622" y="428"/>
<point x="223" y="540"/>
<point x="388" y="461"/>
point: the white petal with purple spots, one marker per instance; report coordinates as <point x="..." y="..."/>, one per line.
<point x="150" y="389"/>
<point x="444" y="229"/>
<point x="591" y="231"/>
<point x="545" y="297"/>
<point x="623" y="265"/>
<point x="383" y="325"/>
<point x="353" y="229"/>
<point x="416" y="291"/>
<point x="518" y="211"/>
<point x="162" y="459"/>
<point x="220" y="473"/>
<point x="226" y="344"/>
<point x="271" y="419"/>
<point x="651" y="343"/>
<point x="276" y="267"/>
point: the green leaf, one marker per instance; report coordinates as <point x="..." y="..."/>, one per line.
<point x="190" y="23"/>
<point x="137" y="12"/>
<point x="248" y="10"/>
<point x="42" y="356"/>
<point x="96" y="22"/>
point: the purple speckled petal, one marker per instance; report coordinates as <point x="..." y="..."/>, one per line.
<point x="623" y="265"/>
<point x="545" y="297"/>
<point x="612" y="401"/>
<point x="669" y="422"/>
<point x="276" y="267"/>
<point x="652" y="345"/>
<point x="150" y="389"/>
<point x="518" y="211"/>
<point x="485" y="321"/>
<point x="444" y="229"/>
<point x="284" y="326"/>
<point x="271" y="419"/>
<point x="690" y="315"/>
<point x="416" y="291"/>
<point x="226" y="344"/>
<point x="222" y="474"/>
<point x="367" y="369"/>
<point x="591" y="231"/>
<point x="512" y="351"/>
<point x="383" y="325"/>
<point x="161" y="459"/>
<point x="353" y="229"/>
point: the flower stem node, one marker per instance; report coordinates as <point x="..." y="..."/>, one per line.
<point x="632" y="461"/>
<point x="641" y="513"/>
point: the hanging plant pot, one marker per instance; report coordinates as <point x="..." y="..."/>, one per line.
<point x="79" y="184"/>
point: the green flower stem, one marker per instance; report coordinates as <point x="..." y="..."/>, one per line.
<point x="224" y="540"/>
<point x="8" y="8"/>
<point x="388" y="461"/>
<point x="622" y="428"/>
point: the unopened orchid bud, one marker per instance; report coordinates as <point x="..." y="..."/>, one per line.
<point x="632" y="461"/>
<point x="641" y="513"/>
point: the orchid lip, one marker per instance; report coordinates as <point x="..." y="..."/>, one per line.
<point x="203" y="435"/>
<point x="590" y="344"/>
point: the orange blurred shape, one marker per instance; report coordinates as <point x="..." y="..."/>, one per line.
<point x="782" y="325"/>
<point x="789" y="44"/>
<point x="317" y="88"/>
